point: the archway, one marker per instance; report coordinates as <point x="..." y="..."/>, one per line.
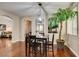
<point x="8" y="22"/>
<point x="6" y="34"/>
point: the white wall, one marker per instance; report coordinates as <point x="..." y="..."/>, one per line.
<point x="33" y="26"/>
<point x="16" y="30"/>
<point x="73" y="43"/>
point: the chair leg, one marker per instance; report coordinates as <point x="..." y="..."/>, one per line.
<point x="35" y="50"/>
<point x="48" y="49"/>
<point x="40" y="50"/>
<point x="29" y="50"/>
<point x="43" y="49"/>
<point x="52" y="51"/>
<point x="32" y="51"/>
<point x="26" y="48"/>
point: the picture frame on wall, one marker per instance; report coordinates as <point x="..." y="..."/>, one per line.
<point x="2" y="27"/>
<point x="52" y="26"/>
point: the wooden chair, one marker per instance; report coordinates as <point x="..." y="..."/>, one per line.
<point x="50" y="44"/>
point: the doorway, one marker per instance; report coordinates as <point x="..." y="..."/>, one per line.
<point x="6" y="26"/>
<point x="28" y="26"/>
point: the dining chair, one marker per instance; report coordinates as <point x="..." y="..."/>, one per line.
<point x="50" y="44"/>
<point x="34" y="45"/>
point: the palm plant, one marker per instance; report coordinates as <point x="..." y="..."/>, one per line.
<point x="63" y="15"/>
<point x="57" y="19"/>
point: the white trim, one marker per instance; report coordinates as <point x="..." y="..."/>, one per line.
<point x="14" y="41"/>
<point x="22" y="40"/>
<point x="73" y="51"/>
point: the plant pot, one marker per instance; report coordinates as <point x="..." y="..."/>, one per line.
<point x="60" y="44"/>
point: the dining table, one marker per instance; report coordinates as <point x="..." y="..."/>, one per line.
<point x="43" y="41"/>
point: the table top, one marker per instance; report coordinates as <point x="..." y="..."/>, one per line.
<point x="43" y="39"/>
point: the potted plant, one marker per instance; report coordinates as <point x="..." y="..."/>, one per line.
<point x="60" y="16"/>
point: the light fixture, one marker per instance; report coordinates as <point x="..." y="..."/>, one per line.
<point x="39" y="19"/>
<point x="40" y="12"/>
<point x="40" y="4"/>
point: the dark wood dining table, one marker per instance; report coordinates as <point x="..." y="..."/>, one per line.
<point x="43" y="41"/>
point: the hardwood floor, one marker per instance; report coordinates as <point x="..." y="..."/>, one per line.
<point x="18" y="50"/>
<point x="5" y="47"/>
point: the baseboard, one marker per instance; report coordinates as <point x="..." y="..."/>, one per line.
<point x="73" y="51"/>
<point x="14" y="41"/>
<point x="18" y="41"/>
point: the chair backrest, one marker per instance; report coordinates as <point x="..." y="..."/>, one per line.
<point x="32" y="38"/>
<point x="27" y="37"/>
<point x="47" y="37"/>
<point x="53" y="38"/>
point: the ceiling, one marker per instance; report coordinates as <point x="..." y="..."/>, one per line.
<point x="31" y="8"/>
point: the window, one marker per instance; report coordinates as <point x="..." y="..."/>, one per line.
<point x="40" y="25"/>
<point x="72" y="27"/>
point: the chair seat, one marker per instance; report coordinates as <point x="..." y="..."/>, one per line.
<point x="49" y="43"/>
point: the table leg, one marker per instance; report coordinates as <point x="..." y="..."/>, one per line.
<point x="26" y="46"/>
<point x="46" y="48"/>
<point x="29" y="49"/>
